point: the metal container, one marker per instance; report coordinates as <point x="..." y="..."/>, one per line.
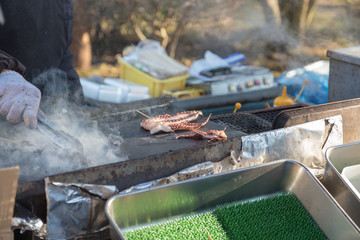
<point x="129" y="211"/>
<point x="344" y="81"/>
<point x="337" y="158"/>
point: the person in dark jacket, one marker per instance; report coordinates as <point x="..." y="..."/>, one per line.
<point x="35" y="39"/>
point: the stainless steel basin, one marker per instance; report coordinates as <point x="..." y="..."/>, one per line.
<point x="337" y="158"/>
<point x="131" y="211"/>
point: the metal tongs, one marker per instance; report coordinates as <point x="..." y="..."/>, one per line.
<point x="58" y="138"/>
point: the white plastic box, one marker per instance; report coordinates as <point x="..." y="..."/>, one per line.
<point x="114" y="90"/>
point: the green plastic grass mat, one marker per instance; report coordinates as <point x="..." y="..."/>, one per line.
<point x="195" y="227"/>
<point x="274" y="217"/>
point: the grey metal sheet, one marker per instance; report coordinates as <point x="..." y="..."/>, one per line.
<point x="348" y="109"/>
<point x="197" y="195"/>
<point x="344" y="73"/>
<point x="348" y="54"/>
<point x="208" y="101"/>
<point x="337" y="158"/>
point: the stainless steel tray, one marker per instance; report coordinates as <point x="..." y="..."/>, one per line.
<point x="337" y="158"/>
<point x="129" y="211"/>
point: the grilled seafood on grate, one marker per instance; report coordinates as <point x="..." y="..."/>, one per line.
<point x="212" y="135"/>
<point x="171" y="123"/>
<point x="182" y="116"/>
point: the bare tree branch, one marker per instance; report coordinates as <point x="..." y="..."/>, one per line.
<point x="139" y="33"/>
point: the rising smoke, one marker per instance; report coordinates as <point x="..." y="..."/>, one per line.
<point x="38" y="157"/>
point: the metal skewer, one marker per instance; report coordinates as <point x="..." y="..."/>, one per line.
<point x="143" y="114"/>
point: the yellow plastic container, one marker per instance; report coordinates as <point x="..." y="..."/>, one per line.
<point x="156" y="86"/>
<point x="185" y="93"/>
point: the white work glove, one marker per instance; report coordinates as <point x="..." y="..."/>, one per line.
<point x="19" y="97"/>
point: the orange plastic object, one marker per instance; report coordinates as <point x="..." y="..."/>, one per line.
<point x="284" y="100"/>
<point x="237" y="106"/>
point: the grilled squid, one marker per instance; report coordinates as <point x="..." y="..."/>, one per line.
<point x="171" y="123"/>
<point x="212" y="135"/>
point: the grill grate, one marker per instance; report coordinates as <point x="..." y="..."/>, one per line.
<point x="245" y="122"/>
<point x="252" y="121"/>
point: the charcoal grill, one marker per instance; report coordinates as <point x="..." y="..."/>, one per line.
<point x="150" y="156"/>
<point x="157" y="156"/>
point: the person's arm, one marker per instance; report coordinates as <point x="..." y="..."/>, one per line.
<point x="18" y="97"/>
<point x="8" y="62"/>
<point x="67" y="61"/>
<point x="67" y="64"/>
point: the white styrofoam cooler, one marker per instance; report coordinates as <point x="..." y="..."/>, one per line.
<point x="114" y="90"/>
